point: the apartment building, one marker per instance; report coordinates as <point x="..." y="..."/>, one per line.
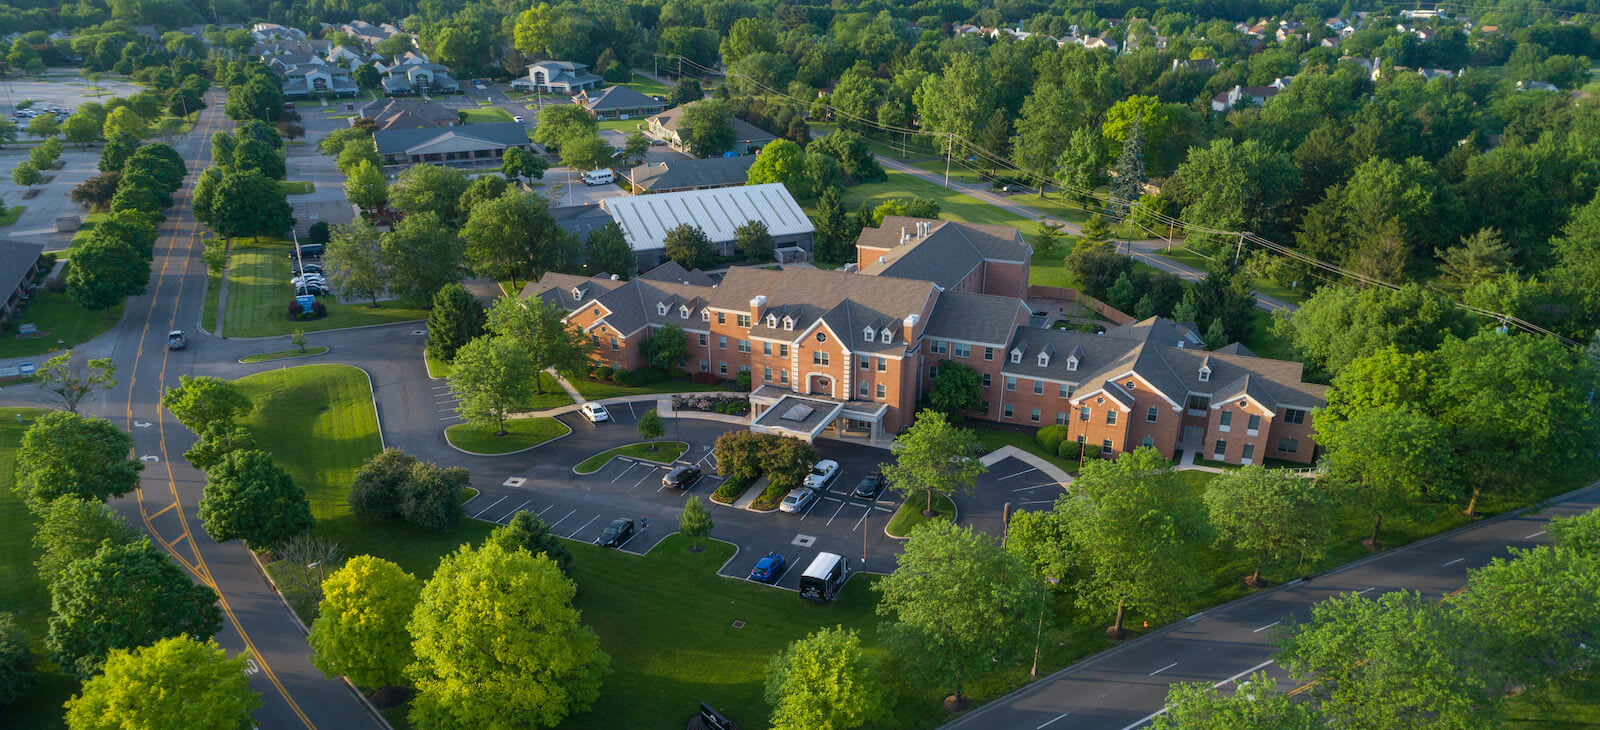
<point x="851" y="352"/>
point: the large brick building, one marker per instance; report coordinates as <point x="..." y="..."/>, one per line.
<point x="852" y="351"/>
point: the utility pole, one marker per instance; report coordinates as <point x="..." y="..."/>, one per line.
<point x="1240" y="248"/>
<point x="949" y="142"/>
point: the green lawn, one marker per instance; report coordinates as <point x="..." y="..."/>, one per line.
<point x="1263" y="342"/>
<point x="259" y="294"/>
<point x="646" y="86"/>
<point x="994" y="438"/>
<point x="665" y="452"/>
<point x="953" y="204"/>
<point x="1574" y="704"/>
<point x="554" y="395"/>
<point x="25" y="595"/>
<point x="437" y="368"/>
<point x="90" y="220"/>
<point x="521" y="433"/>
<point x="597" y="389"/>
<point x="622" y="125"/>
<point x="58" y="318"/>
<point x="909" y="516"/>
<point x="485" y="114"/>
<point x="295" y="187"/>
<point x="1196" y="260"/>
<point x="10" y="215"/>
<point x="283" y="354"/>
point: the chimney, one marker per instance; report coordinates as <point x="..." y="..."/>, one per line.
<point x="910" y="329"/>
<point x="756" y="303"/>
<point x="902" y="234"/>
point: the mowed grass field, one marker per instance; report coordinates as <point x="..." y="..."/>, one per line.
<point x="485" y="115"/>
<point x="58" y="318"/>
<point x="22" y="594"/>
<point x="259" y="294"/>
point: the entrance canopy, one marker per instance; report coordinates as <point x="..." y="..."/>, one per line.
<point x="797" y="416"/>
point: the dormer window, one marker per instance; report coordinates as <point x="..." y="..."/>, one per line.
<point x="1016" y="357"/>
<point x="576" y="294"/>
<point x="1044" y="359"/>
<point x="772" y="320"/>
<point x="888" y="335"/>
<point x="1072" y="363"/>
<point x="788" y="323"/>
<point x="683" y="312"/>
<point x="705" y="315"/>
<point x="661" y="308"/>
<point x="868" y="334"/>
<point x="1205" y="375"/>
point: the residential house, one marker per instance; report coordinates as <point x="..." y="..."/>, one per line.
<point x="347" y="57"/>
<point x="747" y="138"/>
<point x="558" y="77"/>
<point x="19" y="263"/>
<point x="1255" y="95"/>
<point x="1199" y="65"/>
<point x="851" y="352"/>
<point x="391" y="114"/>
<point x="413" y="73"/>
<point x="1536" y="86"/>
<point x="318" y="79"/>
<point x="618" y="102"/>
<point x="461" y="145"/>
<point x="273" y="31"/>
<point x="675" y="175"/>
<point x="368" y="33"/>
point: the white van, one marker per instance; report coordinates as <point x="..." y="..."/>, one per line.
<point x="602" y="176"/>
<point x="824" y="578"/>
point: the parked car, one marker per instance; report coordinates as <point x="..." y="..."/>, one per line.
<point x="518" y="118"/>
<point x="308" y="269"/>
<point x="768" y="569"/>
<point x="288" y="105"/>
<point x="594" y="412"/>
<point x="615" y="533"/>
<point x="822" y="474"/>
<point x="871" y="485"/>
<point x="307" y="252"/>
<point x="797" y="499"/>
<point x="349" y="107"/>
<point x="176" y="340"/>
<point x="681" y="477"/>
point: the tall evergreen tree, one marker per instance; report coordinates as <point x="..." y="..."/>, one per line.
<point x="1128" y="183"/>
<point x="456" y="318"/>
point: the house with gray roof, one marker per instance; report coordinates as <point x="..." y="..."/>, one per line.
<point x="671" y="176"/>
<point x="465" y="145"/>
<point x="849" y="353"/>
<point x="390" y="114"/>
<point x="19" y="263"/>
<point x="413" y="73"/>
<point x="748" y="139"/>
<point x="580" y="220"/>
<point x="558" y="77"/>
<point x="618" y="102"/>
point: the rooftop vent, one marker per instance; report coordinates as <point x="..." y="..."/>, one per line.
<point x="798" y="412"/>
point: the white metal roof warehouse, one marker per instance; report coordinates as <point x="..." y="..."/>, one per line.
<point x="645" y="219"/>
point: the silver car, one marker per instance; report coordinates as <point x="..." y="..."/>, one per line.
<point x="797" y="499"/>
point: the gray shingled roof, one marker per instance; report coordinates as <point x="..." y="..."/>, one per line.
<point x="743" y="131"/>
<point x="673" y="272"/>
<point x="16" y="257"/>
<point x="491" y="135"/>
<point x="682" y="174"/>
<point x="580" y="220"/>
<point x="813" y="294"/>
<point x="613" y="98"/>
<point x="979" y="318"/>
<point x="561" y="285"/>
<point x="945" y="256"/>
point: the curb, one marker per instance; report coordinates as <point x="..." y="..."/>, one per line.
<point x="955" y="519"/>
<point x="334" y="329"/>
<point x="614" y="457"/>
<point x="262" y="569"/>
<point x="326" y="350"/>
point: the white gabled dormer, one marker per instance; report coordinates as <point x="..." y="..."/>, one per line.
<point x="1044" y="359"/>
<point x="661" y="308"/>
<point x="1205" y="370"/>
<point x="705" y="315"/>
<point x="772" y="320"/>
<point x="1016" y="356"/>
<point x="788" y="322"/>
<point x="868" y="334"/>
<point x="1072" y="362"/>
<point x="577" y="294"/>
<point x="888" y="335"/>
<point x="683" y="312"/>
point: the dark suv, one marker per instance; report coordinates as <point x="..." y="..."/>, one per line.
<point x="615" y="533"/>
<point x="871" y="485"/>
<point x="681" y="477"/>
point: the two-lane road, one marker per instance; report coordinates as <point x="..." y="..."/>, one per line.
<point x="1125" y="687"/>
<point x="294" y="693"/>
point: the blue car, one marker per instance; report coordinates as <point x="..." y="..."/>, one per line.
<point x="768" y="568"/>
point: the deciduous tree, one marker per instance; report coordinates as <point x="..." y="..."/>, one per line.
<point x="366" y="187"/>
<point x="650" y="426"/>
<point x="753" y="242"/>
<point x="695" y="521"/>
<point x="706" y="128"/>
<point x="422" y="254"/>
<point x="934" y="456"/>
<point x="824" y="682"/>
<point x="1255" y="704"/>
<point x="16" y="661"/>
<point x="689" y="246"/>
<point x="520" y="163"/>
<point x="249" y="497"/>
<point x="666" y="347"/>
<point x="248" y="203"/>
<point x="71" y="529"/>
<point x="1277" y="517"/>
<point x="606" y="250"/>
<point x="492" y="376"/>
<point x="122" y="597"/>
<point x="956" y="599"/>
<point x="526" y="531"/>
<point x="57" y="376"/>
<point x="376" y="491"/>
<point x="1387" y="460"/>
<point x="515" y="237"/>
<point x="176" y="682"/>
<point x="498" y="641"/>
<point x="200" y="401"/>
<point x="430" y="189"/>
<point x="955" y="390"/>
<point x="216" y="441"/>
<point x="354" y="256"/>
<point x="360" y="630"/>
<point x="67" y="454"/>
<point x="561" y="122"/>
<point x="542" y="326"/>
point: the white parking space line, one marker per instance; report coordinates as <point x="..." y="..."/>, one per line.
<point x="631" y="465"/>
<point x="1163" y="669"/>
<point x="1036" y="486"/>
<point x="1048" y="722"/>
<point x="1268" y="626"/>
<point x="703" y="459"/>
<point x="452" y="418"/>
<point x="641" y="479"/>
<point x="1018" y="474"/>
<point x="635" y="415"/>
<point x="1364" y="590"/>
<point x="864" y="514"/>
<point x="546" y="509"/>
<point x="514" y="510"/>
<point x="809" y="507"/>
<point x="1534" y="535"/>
<point x="1453" y="562"/>
<point x="586" y="524"/>
<point x="1038" y="501"/>
<point x="1235" y="677"/>
<point x="882" y="509"/>
<point x="836" y="512"/>
<point x="563" y="519"/>
<point x="490" y="507"/>
<point x="438" y="387"/>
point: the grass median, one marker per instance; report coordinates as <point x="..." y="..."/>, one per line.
<point x="283" y="355"/>
<point x="521" y="433"/>
<point x="661" y="452"/>
<point x="485" y="115"/>
<point x="259" y="294"/>
<point x="11" y="214"/>
<point x="909" y="516"/>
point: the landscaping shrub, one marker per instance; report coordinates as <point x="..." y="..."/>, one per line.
<point x="319" y="310"/>
<point x="319" y="232"/>
<point x="1069" y="449"/>
<point x="1050" y="437"/>
<point x="641" y="377"/>
<point x="743" y="380"/>
<point x="731" y="490"/>
<point x="295" y="310"/>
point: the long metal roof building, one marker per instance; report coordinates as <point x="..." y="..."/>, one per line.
<point x="645" y="219"/>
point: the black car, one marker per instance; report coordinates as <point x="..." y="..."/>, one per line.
<point x="871" y="485"/>
<point x="615" y="533"/>
<point x="681" y="477"/>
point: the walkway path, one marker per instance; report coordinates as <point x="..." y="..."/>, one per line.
<point x="1143" y="250"/>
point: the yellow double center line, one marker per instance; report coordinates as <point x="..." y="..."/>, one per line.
<point x="198" y="565"/>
